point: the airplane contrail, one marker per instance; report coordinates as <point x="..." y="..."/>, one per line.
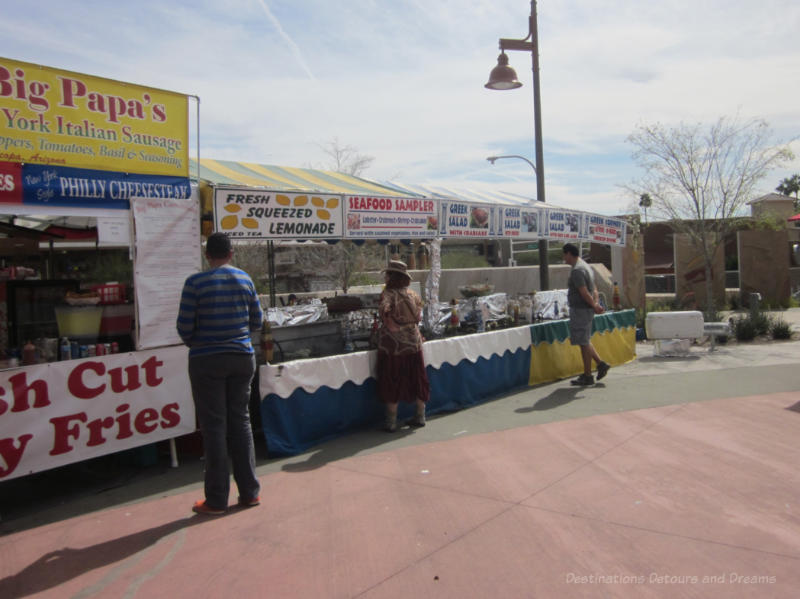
<point x="295" y="50"/>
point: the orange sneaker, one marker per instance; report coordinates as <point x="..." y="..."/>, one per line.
<point x="201" y="507"/>
<point x="250" y="502"/>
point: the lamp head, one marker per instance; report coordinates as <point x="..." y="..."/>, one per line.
<point x="503" y="76"/>
<point x="492" y="159"/>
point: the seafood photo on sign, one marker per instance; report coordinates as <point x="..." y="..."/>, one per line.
<point x="479" y="218"/>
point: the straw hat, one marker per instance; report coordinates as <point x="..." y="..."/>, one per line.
<point x="399" y="267"/>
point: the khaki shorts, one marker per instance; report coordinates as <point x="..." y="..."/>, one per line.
<point x="580" y="325"/>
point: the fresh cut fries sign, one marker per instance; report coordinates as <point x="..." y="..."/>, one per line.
<point x="64" y="412"/>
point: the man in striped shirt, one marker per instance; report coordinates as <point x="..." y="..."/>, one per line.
<point x="218" y="311"/>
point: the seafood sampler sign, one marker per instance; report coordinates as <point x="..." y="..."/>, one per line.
<point x="371" y="217"/>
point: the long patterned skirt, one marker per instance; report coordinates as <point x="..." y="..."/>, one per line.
<point x="402" y="378"/>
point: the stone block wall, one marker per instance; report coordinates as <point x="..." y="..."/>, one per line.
<point x="764" y="266"/>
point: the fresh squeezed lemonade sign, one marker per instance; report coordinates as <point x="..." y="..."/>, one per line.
<point x="253" y="214"/>
<point x="54" y="117"/>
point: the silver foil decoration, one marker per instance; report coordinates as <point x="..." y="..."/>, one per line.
<point x="431" y="317"/>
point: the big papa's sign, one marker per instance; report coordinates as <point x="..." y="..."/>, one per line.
<point x="63" y="412"/>
<point x="54" y="117"/>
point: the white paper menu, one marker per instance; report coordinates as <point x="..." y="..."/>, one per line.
<point x="167" y="250"/>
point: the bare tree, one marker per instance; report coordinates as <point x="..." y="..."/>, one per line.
<point x="341" y="261"/>
<point x="252" y="257"/>
<point x="700" y="178"/>
<point x="346" y="159"/>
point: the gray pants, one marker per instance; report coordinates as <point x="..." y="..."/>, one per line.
<point x="221" y="392"/>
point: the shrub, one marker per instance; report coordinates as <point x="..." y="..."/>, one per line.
<point x="660" y="306"/>
<point x="743" y="329"/>
<point x="462" y="259"/>
<point x="762" y="323"/>
<point x="363" y="278"/>
<point x="640" y="318"/>
<point x="781" y="329"/>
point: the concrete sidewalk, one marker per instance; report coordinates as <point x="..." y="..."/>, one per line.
<point x="671" y="478"/>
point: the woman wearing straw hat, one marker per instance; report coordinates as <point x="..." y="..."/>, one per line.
<point x="401" y="368"/>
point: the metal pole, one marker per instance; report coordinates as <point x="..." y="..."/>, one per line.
<point x="272" y="279"/>
<point x="544" y="274"/>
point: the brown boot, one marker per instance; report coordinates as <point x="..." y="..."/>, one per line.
<point x="390" y="421"/>
<point x="418" y="421"/>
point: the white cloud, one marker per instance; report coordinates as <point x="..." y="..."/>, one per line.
<point x="403" y="81"/>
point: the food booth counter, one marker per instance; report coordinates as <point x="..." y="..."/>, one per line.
<point x="307" y="402"/>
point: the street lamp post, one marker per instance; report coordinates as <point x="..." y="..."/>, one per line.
<point x="492" y="159"/>
<point x="504" y="77"/>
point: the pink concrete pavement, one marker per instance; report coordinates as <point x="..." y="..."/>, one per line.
<point x="693" y="500"/>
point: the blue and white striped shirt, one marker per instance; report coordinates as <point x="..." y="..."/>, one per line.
<point x="218" y="310"/>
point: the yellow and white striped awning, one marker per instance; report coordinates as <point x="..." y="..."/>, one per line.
<point x="461" y="194"/>
<point x="288" y="178"/>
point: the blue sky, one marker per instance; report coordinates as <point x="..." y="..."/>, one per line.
<point x="402" y="80"/>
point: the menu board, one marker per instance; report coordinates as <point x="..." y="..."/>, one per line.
<point x="252" y="213"/>
<point x="245" y="213"/>
<point x="564" y="225"/>
<point x="168" y="249"/>
<point x="604" y="229"/>
<point x="370" y="217"/>
<point x="462" y="219"/>
<point x="521" y="222"/>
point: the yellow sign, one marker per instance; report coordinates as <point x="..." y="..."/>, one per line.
<point x="50" y="116"/>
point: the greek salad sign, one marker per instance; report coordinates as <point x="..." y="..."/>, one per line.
<point x="563" y="225"/>
<point x="246" y="213"/>
<point x="461" y="219"/>
<point x="521" y="222"/>
<point x="369" y="217"/>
